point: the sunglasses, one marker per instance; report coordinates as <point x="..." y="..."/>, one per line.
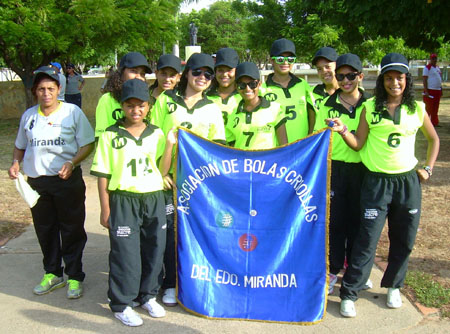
<point x="208" y="75"/>
<point x="281" y="59"/>
<point x="349" y="76"/>
<point x="243" y="85"/>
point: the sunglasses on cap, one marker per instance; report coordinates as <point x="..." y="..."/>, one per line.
<point x="49" y="72"/>
<point x="208" y="75"/>
<point x="243" y="85"/>
<point x="281" y="59"/>
<point x="349" y="76"/>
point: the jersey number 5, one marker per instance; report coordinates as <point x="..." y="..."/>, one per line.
<point x="291" y="113"/>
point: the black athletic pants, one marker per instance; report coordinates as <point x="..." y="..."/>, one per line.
<point x="137" y="236"/>
<point x="74" y="99"/>
<point x="58" y="220"/>
<point x="346" y="180"/>
<point x="170" y="269"/>
<point x="396" y="197"/>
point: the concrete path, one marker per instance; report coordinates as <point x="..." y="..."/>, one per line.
<point x="23" y="312"/>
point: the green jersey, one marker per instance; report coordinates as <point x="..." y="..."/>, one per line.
<point x="331" y="108"/>
<point x="391" y="140"/>
<point x="107" y="113"/>
<point x="129" y="163"/>
<point x="256" y="129"/>
<point x="226" y="105"/>
<point x="318" y="94"/>
<point x="294" y="99"/>
<point x="204" y="118"/>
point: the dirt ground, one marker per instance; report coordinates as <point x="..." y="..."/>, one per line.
<point x="431" y="252"/>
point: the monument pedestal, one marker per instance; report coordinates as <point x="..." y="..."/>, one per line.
<point x="190" y="49"/>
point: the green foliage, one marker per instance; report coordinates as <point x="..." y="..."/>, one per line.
<point x="429" y="292"/>
<point x="219" y="26"/>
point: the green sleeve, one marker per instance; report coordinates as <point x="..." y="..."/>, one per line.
<point x="101" y="165"/>
<point x="158" y="111"/>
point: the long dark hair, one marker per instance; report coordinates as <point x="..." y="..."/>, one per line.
<point x="407" y="98"/>
<point x="114" y="84"/>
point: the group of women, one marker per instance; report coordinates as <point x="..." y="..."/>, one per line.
<point x="374" y="173"/>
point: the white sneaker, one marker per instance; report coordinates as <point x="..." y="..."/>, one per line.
<point x="368" y="285"/>
<point x="332" y="280"/>
<point x="394" y="299"/>
<point x="129" y="317"/>
<point x="169" y="298"/>
<point x="348" y="308"/>
<point x="154" y="309"/>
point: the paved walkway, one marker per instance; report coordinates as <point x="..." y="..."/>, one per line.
<point x="23" y="312"/>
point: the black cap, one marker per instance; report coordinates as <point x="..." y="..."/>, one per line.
<point x="280" y="46"/>
<point x="136" y="89"/>
<point x="48" y="71"/>
<point x="134" y="59"/>
<point x="70" y="65"/>
<point x="227" y="57"/>
<point x="394" y="62"/>
<point x="247" y="69"/>
<point x="349" y="59"/>
<point x="169" y="60"/>
<point x="199" y="60"/>
<point x="325" y="52"/>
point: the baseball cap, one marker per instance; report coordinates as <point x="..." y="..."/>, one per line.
<point x="394" y="62"/>
<point x="135" y="88"/>
<point x="433" y="55"/>
<point x="199" y="60"/>
<point x="280" y="46"/>
<point x="169" y="60"/>
<point x="247" y="69"/>
<point x="56" y="64"/>
<point x="325" y="52"/>
<point x="46" y="71"/>
<point x="349" y="59"/>
<point x="134" y="59"/>
<point x="70" y="65"/>
<point x="227" y="57"/>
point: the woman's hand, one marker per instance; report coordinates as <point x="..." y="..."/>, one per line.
<point x="104" y="218"/>
<point x="168" y="183"/>
<point x="13" y="171"/>
<point x="335" y="124"/>
<point x="423" y="174"/>
<point x="66" y="170"/>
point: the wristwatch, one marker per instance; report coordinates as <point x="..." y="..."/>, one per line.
<point x="428" y="170"/>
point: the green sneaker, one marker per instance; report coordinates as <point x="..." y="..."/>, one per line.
<point x="49" y="283"/>
<point x="75" y="289"/>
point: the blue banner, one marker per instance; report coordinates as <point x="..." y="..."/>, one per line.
<point x="251" y="229"/>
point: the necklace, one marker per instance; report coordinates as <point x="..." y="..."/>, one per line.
<point x="352" y="106"/>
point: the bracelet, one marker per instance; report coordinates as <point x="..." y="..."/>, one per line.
<point x="428" y="170"/>
<point x="71" y="162"/>
<point x="344" y="131"/>
<point x="15" y="160"/>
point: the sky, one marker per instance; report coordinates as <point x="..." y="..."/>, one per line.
<point x="196" y="5"/>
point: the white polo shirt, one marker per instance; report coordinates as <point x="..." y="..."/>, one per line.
<point x="434" y="77"/>
<point x="50" y="141"/>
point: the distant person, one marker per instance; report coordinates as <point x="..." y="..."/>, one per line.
<point x="292" y="93"/>
<point x="75" y="83"/>
<point x="432" y="88"/>
<point x="62" y="81"/>
<point x="54" y="137"/>
<point x="325" y="62"/>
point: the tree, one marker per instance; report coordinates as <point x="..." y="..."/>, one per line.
<point x="35" y="32"/>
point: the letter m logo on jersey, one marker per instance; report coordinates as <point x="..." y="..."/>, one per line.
<point x="376" y="117"/>
<point x="252" y="229"/>
<point x="271" y="97"/>
<point x="333" y="113"/>
<point x="118" y="142"/>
